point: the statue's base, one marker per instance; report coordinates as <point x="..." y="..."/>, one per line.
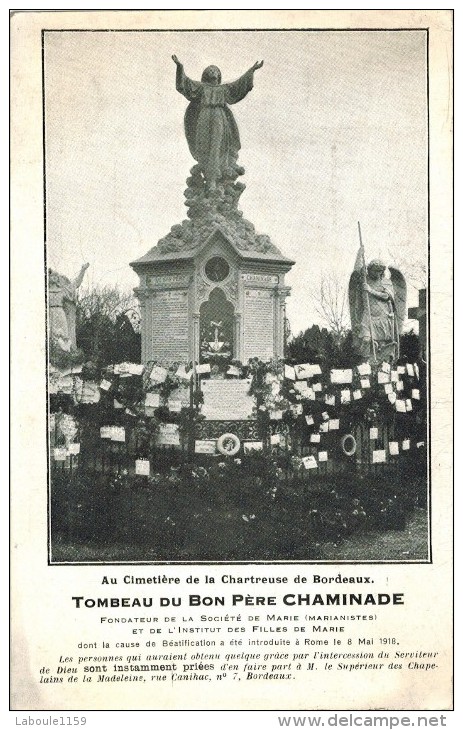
<point x="63" y="360"/>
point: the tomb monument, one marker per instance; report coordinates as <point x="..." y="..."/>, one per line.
<point x="213" y="289"/>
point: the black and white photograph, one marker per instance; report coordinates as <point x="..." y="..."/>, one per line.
<point x="237" y="287"/>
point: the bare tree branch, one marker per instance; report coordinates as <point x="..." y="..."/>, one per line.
<point x="330" y="304"/>
<point x="104" y="316"/>
<point x="415" y="272"/>
<point x="107" y="301"/>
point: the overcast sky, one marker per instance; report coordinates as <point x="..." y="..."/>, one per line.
<point x="333" y="132"/>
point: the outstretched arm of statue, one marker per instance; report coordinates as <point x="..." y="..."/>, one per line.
<point x="186" y="86"/>
<point x="80" y="277"/>
<point x="238" y="89"/>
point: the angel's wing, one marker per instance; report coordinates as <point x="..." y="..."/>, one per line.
<point x="400" y="295"/>
<point x="356" y="299"/>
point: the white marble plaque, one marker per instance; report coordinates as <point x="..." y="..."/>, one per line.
<point x="168" y="435"/>
<point x="169" y="326"/>
<point x="379" y="456"/>
<point x="259" y="324"/>
<point x="227" y="400"/>
<point x="167" y="280"/>
<point x="253" y="446"/>
<point x="205" y="447"/>
<point x="261" y="278"/>
<point x="142" y="467"/>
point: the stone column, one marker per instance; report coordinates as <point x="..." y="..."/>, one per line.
<point x="280" y="313"/>
<point x="145" y="300"/>
<point x="196" y="334"/>
<point x="237" y="345"/>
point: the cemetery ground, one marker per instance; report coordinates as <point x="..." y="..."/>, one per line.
<point x="242" y="510"/>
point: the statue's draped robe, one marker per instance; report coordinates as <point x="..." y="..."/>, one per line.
<point x="210" y="128"/>
<point x="382" y="314"/>
<point x="383" y="318"/>
<point x="62" y="297"/>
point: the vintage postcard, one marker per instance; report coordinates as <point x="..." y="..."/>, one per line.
<point x="231" y="288"/>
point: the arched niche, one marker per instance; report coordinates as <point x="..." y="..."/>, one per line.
<point x="216" y="327"/>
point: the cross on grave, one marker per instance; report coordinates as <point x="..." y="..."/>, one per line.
<point x="420" y="313"/>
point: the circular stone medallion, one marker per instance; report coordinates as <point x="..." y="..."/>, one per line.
<point x="217" y="269"/>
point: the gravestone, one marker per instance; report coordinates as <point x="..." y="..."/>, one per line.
<point x="213" y="289"/>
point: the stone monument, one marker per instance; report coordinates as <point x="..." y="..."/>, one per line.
<point x="212" y="288"/>
<point x="62" y="317"/>
<point x="377" y="309"/>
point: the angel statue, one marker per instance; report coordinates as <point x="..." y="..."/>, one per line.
<point x="210" y="127"/>
<point x="62" y="306"/>
<point x="377" y="309"/>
